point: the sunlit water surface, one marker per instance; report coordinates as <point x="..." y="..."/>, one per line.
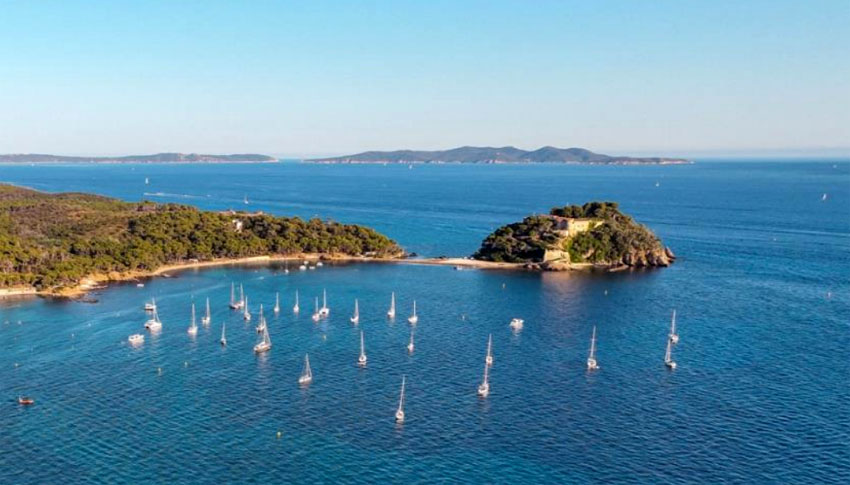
<point x="760" y="393"/>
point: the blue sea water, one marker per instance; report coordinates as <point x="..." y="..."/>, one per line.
<point x="762" y="290"/>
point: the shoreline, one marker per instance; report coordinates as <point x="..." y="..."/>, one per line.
<point x="101" y="280"/>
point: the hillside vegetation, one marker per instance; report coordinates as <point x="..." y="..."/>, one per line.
<point x="50" y="240"/>
<point x="614" y="239"/>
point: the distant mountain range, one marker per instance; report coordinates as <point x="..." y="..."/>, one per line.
<point x="156" y="158"/>
<point x="497" y="155"/>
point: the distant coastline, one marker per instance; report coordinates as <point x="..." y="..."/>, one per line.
<point x="155" y="158"/>
<point x="493" y="155"/>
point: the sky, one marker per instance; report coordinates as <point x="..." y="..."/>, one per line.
<point x="315" y="78"/>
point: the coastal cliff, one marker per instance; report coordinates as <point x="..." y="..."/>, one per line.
<point x="595" y="234"/>
<point x="53" y="242"/>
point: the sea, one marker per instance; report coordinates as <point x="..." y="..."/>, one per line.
<point x="761" y="287"/>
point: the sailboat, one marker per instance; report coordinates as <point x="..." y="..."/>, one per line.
<point x="362" y="359"/>
<point x="668" y="355"/>
<point x="399" y="413"/>
<point x="412" y="319"/>
<point x="206" y="319"/>
<point x="674" y="337"/>
<point x="193" y="327"/>
<point x="410" y="346"/>
<point x="391" y="311"/>
<point x="296" y="308"/>
<point x="307" y="375"/>
<point x="316" y="315"/>
<point x="262" y="326"/>
<point x="151" y="306"/>
<point x="489" y="359"/>
<point x="285" y="267"/>
<point x="591" y="359"/>
<point x="324" y="312"/>
<point x="223" y="339"/>
<point x="235" y="305"/>
<point x="154" y="324"/>
<point x="276" y="303"/>
<point x="356" y="317"/>
<point x="246" y="199"/>
<point x="265" y="343"/>
<point x="147" y="181"/>
<point x="484" y="387"/>
<point x="246" y="313"/>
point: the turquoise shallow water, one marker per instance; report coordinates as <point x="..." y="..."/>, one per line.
<point x="761" y="289"/>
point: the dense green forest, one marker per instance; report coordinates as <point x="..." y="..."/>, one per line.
<point x="50" y="240"/>
<point x="617" y="239"/>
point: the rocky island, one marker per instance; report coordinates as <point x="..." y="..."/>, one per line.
<point x="506" y="154"/>
<point x="62" y="243"/>
<point x="596" y="234"/>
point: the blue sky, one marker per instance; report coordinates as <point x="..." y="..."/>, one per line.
<point x="316" y="78"/>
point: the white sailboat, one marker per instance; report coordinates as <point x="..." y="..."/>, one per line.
<point x="136" y="339"/>
<point x="391" y="311"/>
<point x="245" y="200"/>
<point x="296" y="308"/>
<point x="362" y="359"/>
<point x="489" y="359"/>
<point x="285" y="267"/>
<point x="223" y="339"/>
<point x="324" y="312"/>
<point x="484" y="387"/>
<point x="246" y="312"/>
<point x="413" y="319"/>
<point x="517" y="324"/>
<point x="207" y="319"/>
<point x="356" y="317"/>
<point x="591" y="359"/>
<point x="668" y="355"/>
<point x="147" y="181"/>
<point x="151" y="305"/>
<point x="674" y="337"/>
<point x="399" y="413"/>
<point x="410" y="345"/>
<point x="235" y="305"/>
<point x="276" y="303"/>
<point x="154" y="324"/>
<point x="193" y="327"/>
<point x="316" y="315"/>
<point x="265" y="343"/>
<point x="307" y="375"/>
<point x="262" y="325"/>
